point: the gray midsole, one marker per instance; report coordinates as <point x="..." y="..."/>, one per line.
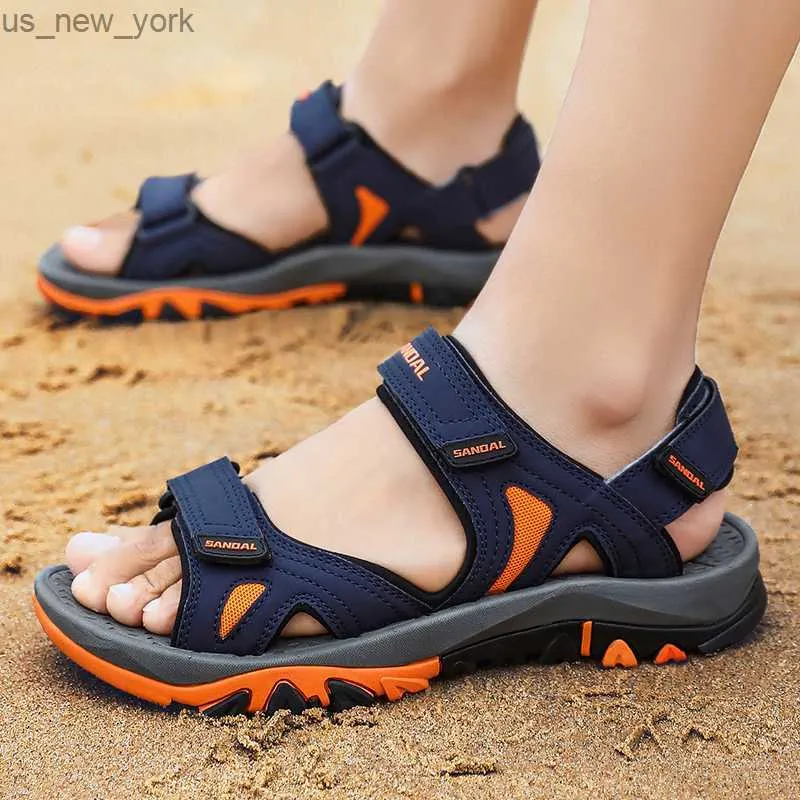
<point x="711" y="589"/>
<point x="355" y="266"/>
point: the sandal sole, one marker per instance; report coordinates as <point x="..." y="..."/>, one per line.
<point x="490" y="632"/>
<point x="323" y="275"/>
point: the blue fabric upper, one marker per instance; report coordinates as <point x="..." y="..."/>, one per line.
<point x="446" y="408"/>
<point x="174" y="239"/>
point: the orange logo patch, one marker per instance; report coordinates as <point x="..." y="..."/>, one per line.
<point x="223" y="544"/>
<point x="479" y="449"/>
<point x="414" y="360"/>
<point x="372" y="210"/>
<point x="686" y="472"/>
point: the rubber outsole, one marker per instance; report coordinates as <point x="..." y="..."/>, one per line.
<point x="324" y="274"/>
<point x="717" y="600"/>
<point x="336" y="687"/>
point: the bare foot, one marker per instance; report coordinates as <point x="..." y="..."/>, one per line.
<point x="269" y="197"/>
<point x="345" y="490"/>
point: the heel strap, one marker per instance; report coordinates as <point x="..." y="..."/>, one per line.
<point x="694" y="460"/>
<point x="356" y="177"/>
<point x="478" y="449"/>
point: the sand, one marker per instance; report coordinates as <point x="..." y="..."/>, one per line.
<point x="93" y="420"/>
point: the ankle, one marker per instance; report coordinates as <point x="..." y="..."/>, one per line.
<point x="434" y="128"/>
<point x="604" y="406"/>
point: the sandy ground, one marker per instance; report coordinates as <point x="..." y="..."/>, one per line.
<point x="92" y="421"/>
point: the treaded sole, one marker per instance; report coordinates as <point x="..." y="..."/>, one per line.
<point x="297" y="688"/>
<point x="324" y="274"/>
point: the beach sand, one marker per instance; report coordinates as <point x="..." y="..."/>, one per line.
<point x="93" y="420"/>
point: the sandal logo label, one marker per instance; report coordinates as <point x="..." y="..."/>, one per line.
<point x="222" y="544"/>
<point x="414" y="360"/>
<point x="686" y="474"/>
<point x="212" y="547"/>
<point x="480" y="450"/>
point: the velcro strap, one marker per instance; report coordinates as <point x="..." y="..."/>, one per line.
<point x="439" y="395"/>
<point x="700" y="453"/>
<point x="693" y="461"/>
<point x="216" y="515"/>
<point x="477" y="191"/>
<point x="165" y="206"/>
<point x="316" y="123"/>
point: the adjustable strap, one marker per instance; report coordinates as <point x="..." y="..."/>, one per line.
<point x="358" y="180"/>
<point x="316" y="123"/>
<point x="479" y="450"/>
<point x="173" y="236"/>
<point x="243" y="579"/>
<point x="165" y="206"/>
<point x="428" y="380"/>
<point x="693" y="461"/>
<point x="477" y="191"/>
<point x="216" y="517"/>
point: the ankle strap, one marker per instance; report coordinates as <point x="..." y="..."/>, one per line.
<point x="478" y="449"/>
<point x="693" y="461"/>
<point x="346" y="161"/>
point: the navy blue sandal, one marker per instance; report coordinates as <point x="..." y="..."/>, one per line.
<point x="523" y="505"/>
<point x="392" y="235"/>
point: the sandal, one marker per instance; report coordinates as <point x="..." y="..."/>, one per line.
<point x="523" y="504"/>
<point x="391" y="235"/>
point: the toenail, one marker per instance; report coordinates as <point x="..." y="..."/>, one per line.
<point x="122" y="591"/>
<point x="152" y="606"/>
<point x="84" y="237"/>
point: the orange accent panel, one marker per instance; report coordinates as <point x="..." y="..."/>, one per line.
<point x="532" y="518"/>
<point x="240" y="600"/>
<point x="416" y="292"/>
<point x="586" y="639"/>
<point x="373" y="209"/>
<point x="392" y="681"/>
<point x="188" y="301"/>
<point x="618" y="654"/>
<point x="669" y="652"/>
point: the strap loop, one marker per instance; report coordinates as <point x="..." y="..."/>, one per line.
<point x="695" y="460"/>
<point x="427" y="378"/>
<point x="216" y="515"/>
<point x="166" y="207"/>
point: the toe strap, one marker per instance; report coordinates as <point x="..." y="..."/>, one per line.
<point x="175" y="239"/>
<point x="243" y="579"/>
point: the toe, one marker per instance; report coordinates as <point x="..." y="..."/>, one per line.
<point x="100" y="248"/>
<point x="126" y="601"/>
<point x="84" y="548"/>
<point x="138" y="553"/>
<point x="159" y="615"/>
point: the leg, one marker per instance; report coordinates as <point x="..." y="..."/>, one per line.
<point x="436" y="87"/>
<point x="588" y="325"/>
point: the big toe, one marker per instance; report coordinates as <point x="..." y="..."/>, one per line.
<point x="100" y="248"/>
<point x="141" y="550"/>
<point x="84" y="548"/>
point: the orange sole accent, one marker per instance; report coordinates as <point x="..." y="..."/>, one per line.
<point x="311" y="681"/>
<point x="586" y="639"/>
<point x="187" y="301"/>
<point x="670" y="653"/>
<point x="619" y="654"/>
<point x="416" y="293"/>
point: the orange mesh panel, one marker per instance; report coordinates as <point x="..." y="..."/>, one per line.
<point x="532" y="518"/>
<point x="239" y="602"/>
